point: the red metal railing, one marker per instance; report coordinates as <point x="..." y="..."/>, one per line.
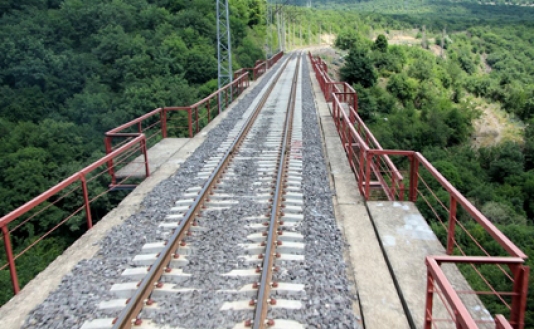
<point x="357" y="139"/>
<point x="15" y="220"/>
<point x="157" y="123"/>
<point x="123" y="146"/>
<point x="459" y="315"/>
<point x="482" y="248"/>
<point x="260" y="67"/>
<point x="466" y="232"/>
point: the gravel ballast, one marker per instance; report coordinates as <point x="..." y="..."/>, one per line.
<point x="328" y="296"/>
<point x="328" y="300"/>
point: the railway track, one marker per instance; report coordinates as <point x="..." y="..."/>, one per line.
<point x="252" y="195"/>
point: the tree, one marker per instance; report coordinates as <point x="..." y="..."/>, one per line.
<point x="359" y="69"/>
<point x="528" y="149"/>
<point x="500" y="213"/>
<point x="349" y="39"/>
<point x="201" y="65"/>
<point x="381" y="44"/>
<point x="72" y="69"/>
<point x="422" y="69"/>
<point x="503" y="161"/>
<point x="346" y="40"/>
<point x="403" y="87"/>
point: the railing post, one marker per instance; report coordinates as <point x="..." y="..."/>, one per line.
<point x="360" y="169"/>
<point x="196" y="120"/>
<point x="343" y="135"/>
<point x="501" y="322"/>
<point x="355" y="102"/>
<point x="219" y="101"/>
<point x="145" y="154"/>
<point x="10" y="260"/>
<point x="414" y="179"/>
<point x="190" y="122"/>
<point x="350" y="150"/>
<point x="393" y="185"/>
<point x="226" y="99"/>
<point x="163" y="118"/>
<point x="86" y="201"/>
<point x="209" y="100"/>
<point x="335" y="112"/>
<point x="140" y="127"/>
<point x="452" y="226"/>
<point x="519" y="299"/>
<point x="368" y="175"/>
<point x="107" y="142"/>
<point x="429" y="300"/>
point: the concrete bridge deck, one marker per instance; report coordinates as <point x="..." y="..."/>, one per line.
<point x="158" y="155"/>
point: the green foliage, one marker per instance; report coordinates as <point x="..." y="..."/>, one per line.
<point x="347" y="40"/>
<point x="436" y="120"/>
<point x="359" y="68"/>
<point x="381" y="43"/>
<point x="71" y="70"/>
<point x="403" y="87"/>
<point x="503" y="161"/>
<point x="529" y="146"/>
<point x="387" y="63"/>
<point x="430" y="113"/>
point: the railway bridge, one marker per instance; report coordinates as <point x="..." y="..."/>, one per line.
<point x="268" y="204"/>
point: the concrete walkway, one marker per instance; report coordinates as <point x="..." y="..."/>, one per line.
<point x="158" y="154"/>
<point x="380" y="305"/>
<point x="407" y="240"/>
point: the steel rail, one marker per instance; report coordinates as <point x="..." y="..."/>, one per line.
<point x="264" y="288"/>
<point x="129" y="315"/>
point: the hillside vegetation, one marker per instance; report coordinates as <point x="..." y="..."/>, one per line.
<point x="412" y="99"/>
<point x="71" y="70"/>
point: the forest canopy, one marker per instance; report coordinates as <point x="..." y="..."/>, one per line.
<point x="72" y="69"/>
<point x="418" y="96"/>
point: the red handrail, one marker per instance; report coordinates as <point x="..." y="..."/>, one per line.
<point x="124" y="148"/>
<point x="79" y="176"/>
<point x="362" y="147"/>
<point x="223" y="96"/>
<point x="502" y="239"/>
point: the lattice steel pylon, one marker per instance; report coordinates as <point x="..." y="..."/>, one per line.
<point x="224" y="45"/>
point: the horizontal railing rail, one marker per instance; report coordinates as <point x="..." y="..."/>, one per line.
<point x="456" y="219"/>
